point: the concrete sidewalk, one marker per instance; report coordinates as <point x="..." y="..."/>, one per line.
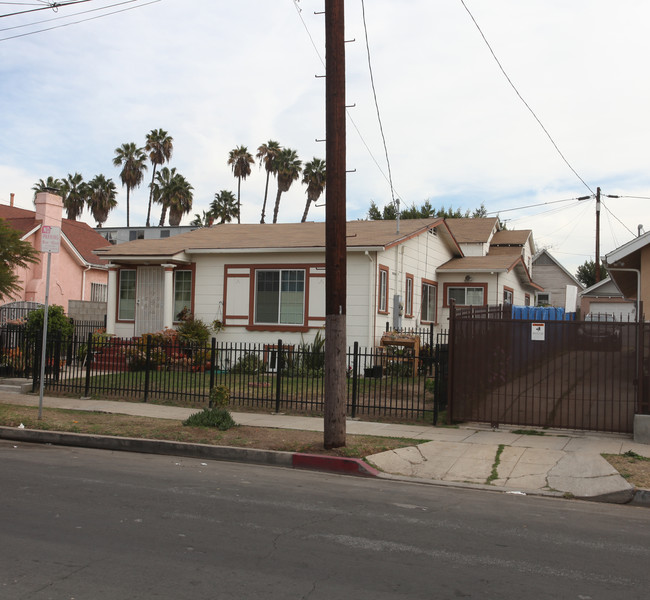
<point x="560" y="463"/>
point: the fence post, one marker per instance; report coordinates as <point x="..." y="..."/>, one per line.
<point x="278" y="381"/>
<point x="450" y="363"/>
<point x="213" y="360"/>
<point x="89" y="360"/>
<point x="36" y="369"/>
<point x="147" y="369"/>
<point x="355" y="378"/>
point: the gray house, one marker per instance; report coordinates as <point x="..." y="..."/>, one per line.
<point x="561" y="289"/>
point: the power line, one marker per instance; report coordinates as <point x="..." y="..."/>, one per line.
<point x="50" y="6"/>
<point x="80" y="21"/>
<point x="613" y="215"/>
<point x="374" y="95"/>
<point x="522" y="99"/>
<point x="83" y="12"/>
<point x="497" y="212"/>
<point x="347" y="112"/>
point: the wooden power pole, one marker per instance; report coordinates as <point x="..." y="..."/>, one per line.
<point x="335" y="229"/>
<point x="597" y="261"/>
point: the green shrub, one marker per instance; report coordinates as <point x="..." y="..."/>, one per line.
<point x="211" y="417"/>
<point x="193" y="331"/>
<point x="249" y="363"/>
<point x="219" y="396"/>
<point x="57" y="323"/>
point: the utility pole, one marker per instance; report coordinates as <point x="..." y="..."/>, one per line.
<point x="335" y="228"/>
<point x="597" y="261"/>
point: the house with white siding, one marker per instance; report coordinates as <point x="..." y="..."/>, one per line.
<point x="267" y="281"/>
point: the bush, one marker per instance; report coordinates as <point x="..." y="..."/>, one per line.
<point x="193" y="331"/>
<point x="219" y="396"/>
<point x="57" y="323"/>
<point x="249" y="363"/>
<point x="211" y="417"/>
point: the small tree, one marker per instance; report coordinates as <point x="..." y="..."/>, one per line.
<point x="14" y="253"/>
<point x="586" y="273"/>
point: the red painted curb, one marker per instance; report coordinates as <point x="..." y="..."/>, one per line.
<point x="335" y="464"/>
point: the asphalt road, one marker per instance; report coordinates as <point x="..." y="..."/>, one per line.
<point x="86" y="524"/>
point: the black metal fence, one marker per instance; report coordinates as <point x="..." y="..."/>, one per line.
<point x="564" y="374"/>
<point x="382" y="382"/>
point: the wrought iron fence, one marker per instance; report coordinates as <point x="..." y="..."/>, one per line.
<point x="382" y="382"/>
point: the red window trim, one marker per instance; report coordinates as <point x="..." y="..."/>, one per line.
<point x="435" y="285"/>
<point x="411" y="278"/>
<point x="384" y="269"/>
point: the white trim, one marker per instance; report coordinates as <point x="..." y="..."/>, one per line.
<point x="626" y="249"/>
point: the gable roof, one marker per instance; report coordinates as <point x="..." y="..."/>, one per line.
<point x="82" y="238"/>
<point x="627" y="256"/>
<point x="502" y="263"/>
<point x="545" y="253"/>
<point x="477" y="231"/>
<point x="515" y="237"/>
<point x="310" y="236"/>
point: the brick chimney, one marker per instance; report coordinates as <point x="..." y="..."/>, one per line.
<point x="11" y="199"/>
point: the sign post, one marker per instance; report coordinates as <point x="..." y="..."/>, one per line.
<point x="50" y="242"/>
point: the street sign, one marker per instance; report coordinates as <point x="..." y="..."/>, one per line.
<point x="50" y="239"/>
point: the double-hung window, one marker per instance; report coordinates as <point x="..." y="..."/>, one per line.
<point x="465" y="295"/>
<point x="428" y="314"/>
<point x="126" y="308"/>
<point x="408" y="305"/>
<point x="280" y="296"/>
<point x="383" y="290"/>
<point x="182" y="292"/>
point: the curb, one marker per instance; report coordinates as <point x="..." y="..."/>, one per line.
<point x="316" y="462"/>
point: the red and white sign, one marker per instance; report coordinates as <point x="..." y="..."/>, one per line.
<point x="538" y="332"/>
<point x="50" y="239"/>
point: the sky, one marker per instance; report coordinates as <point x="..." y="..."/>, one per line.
<point x="565" y="110"/>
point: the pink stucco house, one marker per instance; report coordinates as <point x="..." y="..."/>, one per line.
<point x="76" y="273"/>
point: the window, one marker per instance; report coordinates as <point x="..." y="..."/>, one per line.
<point x="164" y="233"/>
<point x="508" y="294"/>
<point x="136" y="235"/>
<point x="527" y="299"/>
<point x="98" y="292"/>
<point x="429" y="293"/>
<point x="465" y="296"/>
<point x="126" y="309"/>
<point x="182" y="292"/>
<point x="383" y="290"/>
<point x="543" y="299"/>
<point x="408" y="306"/>
<point x="280" y="296"/>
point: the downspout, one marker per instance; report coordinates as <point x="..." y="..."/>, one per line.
<point x="372" y="313"/>
<point x="83" y="282"/>
<point x="638" y="286"/>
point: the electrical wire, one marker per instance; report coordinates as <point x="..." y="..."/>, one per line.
<point x="532" y="112"/>
<point x="347" y="112"/>
<point x="613" y="215"/>
<point x="83" y="12"/>
<point x="495" y="212"/>
<point x="13" y="37"/>
<point x="374" y="95"/>
<point x="50" y="6"/>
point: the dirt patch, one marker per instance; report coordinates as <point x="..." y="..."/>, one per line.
<point x="634" y="468"/>
<point x="265" y="438"/>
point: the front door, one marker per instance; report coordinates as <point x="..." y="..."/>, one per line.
<point x="149" y="300"/>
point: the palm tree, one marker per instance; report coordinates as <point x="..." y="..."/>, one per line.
<point x="50" y="184"/>
<point x="181" y="200"/>
<point x="162" y="190"/>
<point x="288" y="168"/>
<point x="101" y="198"/>
<point x="224" y="207"/>
<point x="240" y="159"/>
<point x="313" y="176"/>
<point x="159" y="146"/>
<point x="74" y="193"/>
<point x="266" y="154"/>
<point x="132" y="160"/>
<point x="202" y="220"/>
